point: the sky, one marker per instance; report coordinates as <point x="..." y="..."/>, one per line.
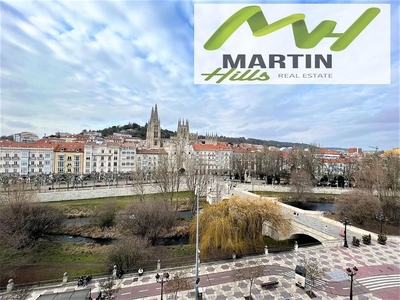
<point x="72" y="65"/>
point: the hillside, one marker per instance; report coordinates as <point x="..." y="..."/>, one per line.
<point x="140" y="131"/>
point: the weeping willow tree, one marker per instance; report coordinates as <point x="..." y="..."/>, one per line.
<point x="235" y="225"/>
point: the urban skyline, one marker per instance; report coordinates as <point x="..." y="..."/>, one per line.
<point x="68" y="67"/>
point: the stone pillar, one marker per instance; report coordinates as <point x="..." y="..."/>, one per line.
<point x="296" y="246"/>
<point x="266" y="249"/>
<point x="114" y="273"/>
<point x="158" y="265"/>
<point x="65" y="278"/>
<point x="10" y="285"/>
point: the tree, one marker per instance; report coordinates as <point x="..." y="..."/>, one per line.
<point x="139" y="183"/>
<point x="150" y="219"/>
<point x="300" y="184"/>
<point x="23" y="221"/>
<point x="109" y="287"/>
<point x="359" y="206"/>
<point x="105" y="215"/>
<point x="127" y="252"/>
<point x="248" y="272"/>
<point x="179" y="282"/>
<point x="166" y="176"/>
<point x="380" y="175"/>
<point x="235" y="225"/>
<point x="197" y="177"/>
<point x="306" y="160"/>
<point x="313" y="270"/>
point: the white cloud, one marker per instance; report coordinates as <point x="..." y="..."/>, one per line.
<point x="74" y="65"/>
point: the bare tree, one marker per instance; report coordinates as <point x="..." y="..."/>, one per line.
<point x="166" y="176"/>
<point x="109" y="287"/>
<point x="313" y="270"/>
<point x="197" y="177"/>
<point x="126" y="253"/>
<point x="359" y="206"/>
<point x="150" y="219"/>
<point x="248" y="272"/>
<point x="105" y="215"/>
<point x="139" y="183"/>
<point x="179" y="282"/>
<point x="23" y="221"/>
<point x="300" y="184"/>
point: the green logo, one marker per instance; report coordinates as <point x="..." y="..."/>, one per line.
<point x="303" y="39"/>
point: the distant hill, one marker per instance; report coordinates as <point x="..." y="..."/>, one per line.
<point x="140" y="131"/>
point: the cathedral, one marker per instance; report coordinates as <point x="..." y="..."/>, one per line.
<point x="153" y="135"/>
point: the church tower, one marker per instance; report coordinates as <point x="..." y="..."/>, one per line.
<point x="183" y="132"/>
<point x="153" y="135"/>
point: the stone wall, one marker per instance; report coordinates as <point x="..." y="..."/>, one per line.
<point x="89" y="193"/>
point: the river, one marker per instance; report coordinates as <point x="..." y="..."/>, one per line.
<point x="314" y="206"/>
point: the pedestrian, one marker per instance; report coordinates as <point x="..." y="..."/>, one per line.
<point x="325" y="228"/>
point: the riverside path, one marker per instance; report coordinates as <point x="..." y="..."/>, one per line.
<point x="378" y="276"/>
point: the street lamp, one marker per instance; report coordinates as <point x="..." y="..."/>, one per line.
<point x="345" y="222"/>
<point x="162" y="279"/>
<point x="382" y="219"/>
<point x="351" y="273"/>
<point x="197" y="192"/>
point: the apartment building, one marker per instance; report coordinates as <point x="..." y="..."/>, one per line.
<point x="148" y="160"/>
<point x="213" y="158"/>
<point x="101" y="157"/>
<point x="127" y="158"/>
<point x="26" y="158"/>
<point x="68" y="158"/>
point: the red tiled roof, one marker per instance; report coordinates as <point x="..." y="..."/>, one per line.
<point x="35" y="145"/>
<point x="69" y="147"/>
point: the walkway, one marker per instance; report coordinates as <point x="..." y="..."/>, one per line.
<point x="378" y="276"/>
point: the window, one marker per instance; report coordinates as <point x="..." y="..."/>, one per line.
<point x="87" y="164"/>
<point x="32" y="170"/>
<point x="15" y="170"/>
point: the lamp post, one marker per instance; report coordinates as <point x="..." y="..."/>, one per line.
<point x="345" y="222"/>
<point x="351" y="273"/>
<point x="162" y="279"/>
<point x="382" y="219"/>
<point x="197" y="192"/>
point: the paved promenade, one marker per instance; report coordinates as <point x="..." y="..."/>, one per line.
<point x="378" y="276"/>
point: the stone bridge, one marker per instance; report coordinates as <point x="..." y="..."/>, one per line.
<point x="312" y="223"/>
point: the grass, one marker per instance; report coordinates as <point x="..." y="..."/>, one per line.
<point x="49" y="260"/>
<point x="181" y="250"/>
<point x="87" y="206"/>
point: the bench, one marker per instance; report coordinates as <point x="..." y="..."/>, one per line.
<point x="270" y="284"/>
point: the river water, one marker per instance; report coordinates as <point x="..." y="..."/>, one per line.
<point x="314" y="206"/>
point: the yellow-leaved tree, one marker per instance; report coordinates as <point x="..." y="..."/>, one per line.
<point x="234" y="225"/>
